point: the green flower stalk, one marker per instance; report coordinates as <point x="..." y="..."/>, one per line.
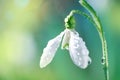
<point x="102" y="37"/>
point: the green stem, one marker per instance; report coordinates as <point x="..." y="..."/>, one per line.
<point x="83" y="14"/>
<point x="70" y="21"/>
<point x="102" y="37"/>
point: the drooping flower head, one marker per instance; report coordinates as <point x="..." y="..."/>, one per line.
<point x="70" y="41"/>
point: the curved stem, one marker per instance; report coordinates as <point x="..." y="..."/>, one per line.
<point x="83" y="14"/>
<point x="102" y="37"/>
<point x="70" y="21"/>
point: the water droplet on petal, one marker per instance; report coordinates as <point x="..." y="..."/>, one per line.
<point x="78" y="54"/>
<point x="77" y="45"/>
<point x="79" y="63"/>
<point x="89" y="61"/>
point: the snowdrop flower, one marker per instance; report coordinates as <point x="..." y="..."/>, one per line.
<point x="71" y="42"/>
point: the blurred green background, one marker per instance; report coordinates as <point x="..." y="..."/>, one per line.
<point x="27" y="25"/>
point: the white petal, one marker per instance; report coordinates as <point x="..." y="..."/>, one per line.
<point x="65" y="42"/>
<point x="78" y="50"/>
<point x="49" y="51"/>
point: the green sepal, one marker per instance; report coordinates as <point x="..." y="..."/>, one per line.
<point x="70" y="22"/>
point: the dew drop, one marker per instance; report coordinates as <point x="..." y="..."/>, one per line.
<point x="77" y="45"/>
<point x="78" y="54"/>
<point x="103" y="60"/>
<point x="79" y="63"/>
<point x="89" y="62"/>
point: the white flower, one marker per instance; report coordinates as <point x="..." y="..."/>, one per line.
<point x="71" y="42"/>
